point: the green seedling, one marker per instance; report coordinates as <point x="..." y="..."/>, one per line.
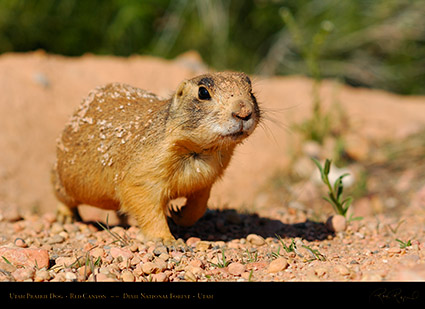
<point x="6" y="260"/>
<point x="223" y="263"/>
<point x="335" y="198"/>
<point x="123" y="241"/>
<point x="251" y="257"/>
<point x="250" y="275"/>
<point x="403" y="244"/>
<point x="291" y="247"/>
<point x="89" y="264"/>
<point x="394" y="230"/>
<point x="315" y="253"/>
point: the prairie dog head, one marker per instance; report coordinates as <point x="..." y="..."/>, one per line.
<point x="215" y="110"/>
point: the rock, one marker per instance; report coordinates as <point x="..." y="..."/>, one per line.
<point x="41" y="275"/>
<point x="19" y="242"/>
<point x="7" y="267"/>
<point x="150" y="268"/>
<point x="159" y="250"/>
<point x="277" y="265"/>
<point x="23" y="274"/>
<point x="160" y="277"/>
<point x="65" y="261"/>
<point x="70" y="276"/>
<point x="97" y="252"/>
<point x="135" y="260"/>
<point x="134" y="247"/>
<point x="49" y="217"/>
<point x="127" y="276"/>
<point x="56" y="228"/>
<point x="70" y="227"/>
<point x="55" y="239"/>
<point x="203" y="245"/>
<point x="60" y="277"/>
<point x="197" y="271"/>
<point x="255" y="239"/>
<point x="6" y="276"/>
<point x="336" y="223"/>
<point x="27" y="257"/>
<point x="192" y="241"/>
<point x="105" y="278"/>
<point x="236" y="269"/>
<point x="124" y="253"/>
<point x="196" y="263"/>
<point x="84" y="272"/>
<point x="189" y="276"/>
<point x="164" y="256"/>
<point x="160" y="264"/>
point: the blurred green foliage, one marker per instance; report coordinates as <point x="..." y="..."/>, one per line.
<point x="378" y="43"/>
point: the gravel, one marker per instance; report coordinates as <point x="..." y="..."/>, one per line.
<point x="247" y="247"/>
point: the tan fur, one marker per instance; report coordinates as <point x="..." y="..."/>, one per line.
<point x="127" y="149"/>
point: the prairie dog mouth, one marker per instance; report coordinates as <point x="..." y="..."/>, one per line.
<point x="236" y="135"/>
<point x="236" y="131"/>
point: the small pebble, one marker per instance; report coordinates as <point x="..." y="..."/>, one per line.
<point x="116" y="252"/>
<point x="23" y="274"/>
<point x="277" y="265"/>
<point x="192" y="241"/>
<point x="159" y="250"/>
<point x="65" y="261"/>
<point x="255" y="239"/>
<point x="105" y="278"/>
<point x="189" y="276"/>
<point x="55" y="239"/>
<point x="336" y="223"/>
<point x="203" y="245"/>
<point x="127" y="276"/>
<point x="70" y="276"/>
<point x="42" y="275"/>
<point x="149" y="268"/>
<point x="19" y="242"/>
<point x="160" y="277"/>
<point x="236" y="269"/>
<point x="161" y="265"/>
<point x="56" y="228"/>
<point x="97" y="252"/>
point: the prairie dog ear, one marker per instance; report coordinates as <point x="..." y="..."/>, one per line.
<point x="180" y="88"/>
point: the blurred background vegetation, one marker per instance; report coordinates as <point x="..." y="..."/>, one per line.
<point x="377" y="43"/>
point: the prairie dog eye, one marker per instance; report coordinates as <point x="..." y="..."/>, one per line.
<point x="203" y="94"/>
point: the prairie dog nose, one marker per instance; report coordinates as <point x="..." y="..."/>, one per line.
<point x="241" y="110"/>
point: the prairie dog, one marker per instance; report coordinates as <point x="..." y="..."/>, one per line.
<point x="126" y="149"/>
